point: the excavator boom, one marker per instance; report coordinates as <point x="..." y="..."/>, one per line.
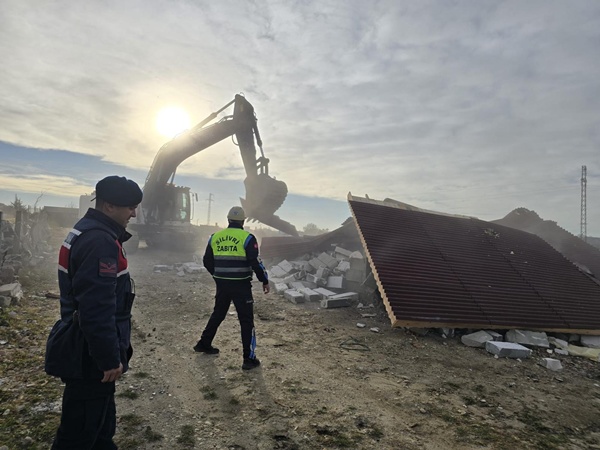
<point x="264" y="194"/>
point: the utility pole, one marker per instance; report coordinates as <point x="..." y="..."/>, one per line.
<point x="583" y="221"/>
<point x="210" y="200"/>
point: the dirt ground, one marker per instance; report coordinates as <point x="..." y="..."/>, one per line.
<point x="324" y="383"/>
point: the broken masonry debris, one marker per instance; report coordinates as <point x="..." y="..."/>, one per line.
<point x="507" y="350"/>
<point x="336" y="279"/>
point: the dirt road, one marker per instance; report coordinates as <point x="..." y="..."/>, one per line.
<point x="324" y="383"/>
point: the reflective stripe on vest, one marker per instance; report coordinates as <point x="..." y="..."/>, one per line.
<point x="229" y="251"/>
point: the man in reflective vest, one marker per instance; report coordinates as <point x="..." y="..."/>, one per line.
<point x="231" y="256"/>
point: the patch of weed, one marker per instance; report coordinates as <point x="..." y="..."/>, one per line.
<point x="479" y="389"/>
<point x="130" y="420"/>
<point x="445" y="415"/>
<point x="129" y="443"/>
<point x="372" y="430"/>
<point x="130" y="394"/>
<point x="552" y="441"/>
<point x="141" y="374"/>
<point x="187" y="436"/>
<point x="448" y="417"/>
<point x="480" y="434"/>
<point x="321" y="410"/>
<point x="532" y="420"/>
<point x="28" y="394"/>
<point x="543" y="436"/>
<point x="451" y="385"/>
<point x="469" y="400"/>
<point x="209" y="393"/>
<point x="152" y="436"/>
<point x="375" y="432"/>
<point x="331" y="438"/>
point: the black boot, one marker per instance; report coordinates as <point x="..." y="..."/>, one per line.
<point x="208" y="349"/>
<point x="250" y="363"/>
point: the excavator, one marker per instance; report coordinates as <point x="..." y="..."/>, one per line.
<point x="163" y="218"/>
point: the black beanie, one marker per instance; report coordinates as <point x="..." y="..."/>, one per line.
<point x="119" y="191"/>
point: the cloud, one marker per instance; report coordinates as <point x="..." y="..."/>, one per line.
<point x="447" y="104"/>
<point x="42" y="184"/>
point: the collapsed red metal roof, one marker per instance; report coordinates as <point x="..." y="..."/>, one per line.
<point x="583" y="254"/>
<point x="437" y="270"/>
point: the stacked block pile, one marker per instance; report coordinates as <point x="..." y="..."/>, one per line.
<point x="334" y="279"/>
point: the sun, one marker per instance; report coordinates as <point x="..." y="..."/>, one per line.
<point x="172" y="121"/>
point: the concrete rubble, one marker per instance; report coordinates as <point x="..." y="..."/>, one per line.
<point x="531" y="338"/>
<point x="334" y="279"/>
<point x="551" y="364"/>
<point x="23" y="242"/>
<point x="10" y="294"/>
<point x="477" y="339"/>
<point x="590" y="341"/>
<point x="180" y="268"/>
<point x="507" y="350"/>
<point x="513" y="343"/>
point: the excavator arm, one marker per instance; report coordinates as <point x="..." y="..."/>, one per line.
<point x="264" y="194"/>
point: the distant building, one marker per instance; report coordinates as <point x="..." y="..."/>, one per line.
<point x="60" y="216"/>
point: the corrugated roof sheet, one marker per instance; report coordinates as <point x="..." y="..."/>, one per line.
<point x="449" y="271"/>
<point x="573" y="248"/>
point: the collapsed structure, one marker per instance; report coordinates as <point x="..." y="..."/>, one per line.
<point x="435" y="270"/>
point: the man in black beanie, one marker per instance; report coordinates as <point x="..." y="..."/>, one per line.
<point x="89" y="347"/>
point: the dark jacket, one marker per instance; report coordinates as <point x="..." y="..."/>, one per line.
<point x="96" y="296"/>
<point x="251" y="249"/>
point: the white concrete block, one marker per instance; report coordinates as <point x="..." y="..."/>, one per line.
<point x="322" y="272"/>
<point x="507" y="350"/>
<point x="352" y="296"/>
<point x="495" y="335"/>
<point x="192" y="267"/>
<point x="552" y="364"/>
<point x="343" y="266"/>
<point x="309" y="294"/>
<point x="343" y="252"/>
<point x="338" y="303"/>
<point x="328" y="261"/>
<point x="316" y="280"/>
<point x="590" y="341"/>
<point x="335" y="282"/>
<point x="316" y="263"/>
<point x="294" y="296"/>
<point x="324" y="293"/>
<point x="277" y="271"/>
<point x="526" y="337"/>
<point x="477" y="339"/>
<point x="12" y="290"/>
<point x="281" y="288"/>
<point x="286" y="266"/>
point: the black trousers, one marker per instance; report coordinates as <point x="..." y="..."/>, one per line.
<point x="88" y="420"/>
<point x="244" y="305"/>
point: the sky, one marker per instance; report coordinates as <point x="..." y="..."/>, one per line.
<point x="463" y="107"/>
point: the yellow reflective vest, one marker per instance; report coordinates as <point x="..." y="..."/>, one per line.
<point x="229" y="250"/>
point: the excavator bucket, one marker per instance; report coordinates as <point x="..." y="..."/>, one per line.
<point x="264" y="196"/>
